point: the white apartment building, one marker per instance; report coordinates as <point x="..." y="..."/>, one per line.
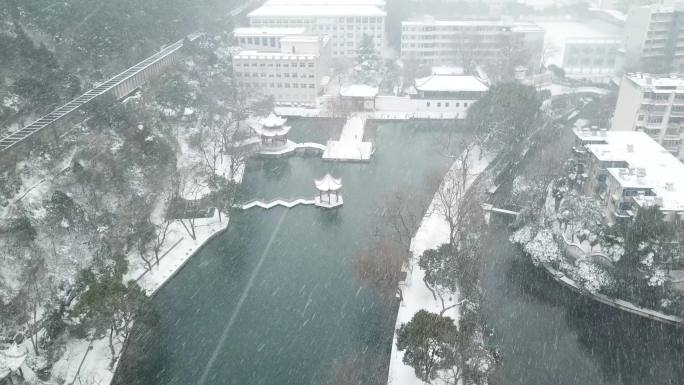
<point x="345" y="21"/>
<point x="655" y="105"/>
<point x="264" y="39"/>
<point x="293" y="73"/>
<point x="470" y="42"/>
<point x="590" y="59"/>
<point x="653" y="36"/>
<point x="629" y="170"/>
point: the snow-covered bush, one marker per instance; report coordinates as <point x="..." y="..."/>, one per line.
<point x="540" y="244"/>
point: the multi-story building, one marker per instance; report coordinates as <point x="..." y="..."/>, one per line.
<point x="442" y="95"/>
<point x="345" y="21"/>
<point x="264" y="39"/>
<point x="471" y="42"/>
<point x="655" y="105"/>
<point x="629" y="171"/>
<point x="653" y="36"/>
<point x="289" y="67"/>
<point x="587" y="50"/>
<point x="595" y="60"/>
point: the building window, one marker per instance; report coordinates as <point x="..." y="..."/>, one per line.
<point x="427" y="104"/>
<point x="439" y="104"/>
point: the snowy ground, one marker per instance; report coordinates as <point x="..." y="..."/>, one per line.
<point x="378" y="115"/>
<point x="433" y="232"/>
<point x="89" y="362"/>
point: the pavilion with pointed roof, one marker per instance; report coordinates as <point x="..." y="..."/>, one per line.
<point x="272" y="131"/>
<point x="327" y="186"/>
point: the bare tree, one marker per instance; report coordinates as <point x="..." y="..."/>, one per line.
<point x="379" y="266"/>
<point x="451" y="193"/>
<point x="212" y="148"/>
<point x="402" y="215"/>
<point x="34" y="276"/>
<point x="188" y="192"/>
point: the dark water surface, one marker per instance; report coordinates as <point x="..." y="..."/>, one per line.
<point x="303" y="310"/>
<point x="284" y="276"/>
<point x="549" y="335"/>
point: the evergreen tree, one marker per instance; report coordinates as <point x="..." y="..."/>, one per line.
<point x="367" y="65"/>
<point x="506" y="115"/>
<point x="429" y="342"/>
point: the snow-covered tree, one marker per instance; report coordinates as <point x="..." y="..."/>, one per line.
<point x="367" y="68"/>
<point x="505" y="116"/>
<point x="428" y="342"/>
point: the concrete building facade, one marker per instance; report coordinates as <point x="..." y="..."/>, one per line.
<point x="470" y="42"/>
<point x="346" y="22"/>
<point x="596" y="60"/>
<point x="292" y="70"/>
<point x="653" y="36"/>
<point x="654" y="105"/>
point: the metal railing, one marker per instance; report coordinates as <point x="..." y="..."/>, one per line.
<point x="16" y="137"/>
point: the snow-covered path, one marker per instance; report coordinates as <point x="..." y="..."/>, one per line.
<point x="350" y="146"/>
<point x="433" y="232"/>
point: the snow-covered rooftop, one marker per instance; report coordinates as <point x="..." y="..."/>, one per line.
<point x="247" y="54"/>
<point x="650" y="165"/>
<point x="657" y="82"/>
<point x="450" y="83"/>
<point x="359" y="91"/>
<point x="377" y="3"/>
<point x="316" y="10"/>
<point x="272" y="120"/>
<point x="447" y="70"/>
<point x="328" y="183"/>
<point x="514" y="25"/>
<point x="268" y="32"/>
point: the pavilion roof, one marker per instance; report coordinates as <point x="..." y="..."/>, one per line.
<point x="272" y="121"/>
<point x="328" y="183"/>
<point x="272" y="132"/>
